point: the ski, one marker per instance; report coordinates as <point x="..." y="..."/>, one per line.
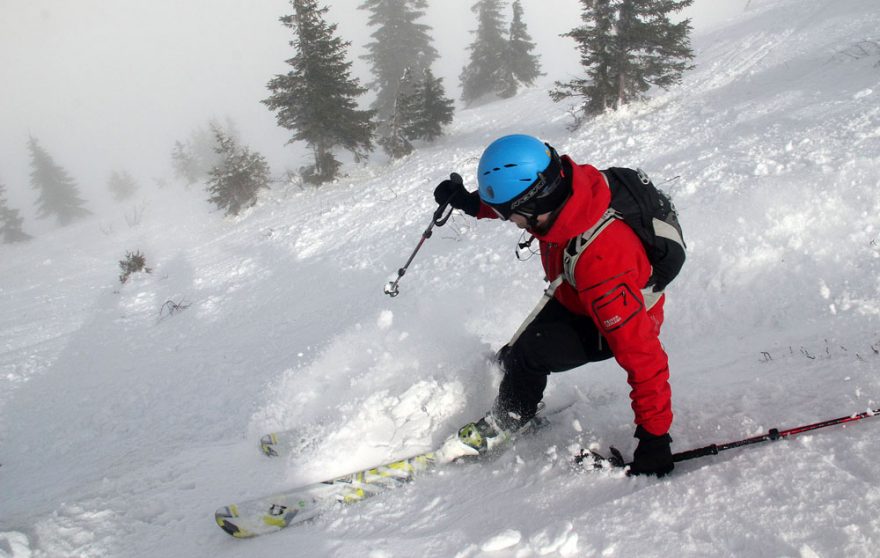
<point x="261" y="516"/>
<point x="264" y="515"/>
<point x="284" y="442"/>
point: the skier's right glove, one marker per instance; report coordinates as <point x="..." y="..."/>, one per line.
<point x="454" y="192"/>
<point x="653" y="455"/>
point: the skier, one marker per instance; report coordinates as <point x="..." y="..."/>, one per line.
<point x="523" y="180"/>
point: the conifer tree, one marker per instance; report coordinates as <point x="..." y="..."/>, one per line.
<point x="658" y="50"/>
<point x="521" y="66"/>
<point x="185" y="164"/>
<point x="419" y="115"/>
<point x="237" y="179"/>
<point x="626" y="47"/>
<point x="194" y="158"/>
<point x="399" y="45"/>
<point x="10" y="222"/>
<point x="395" y="141"/>
<point x="58" y="193"/>
<point x="595" y="40"/>
<point x="484" y="75"/>
<point x="430" y="109"/>
<point x="316" y="99"/>
<point x="122" y="185"/>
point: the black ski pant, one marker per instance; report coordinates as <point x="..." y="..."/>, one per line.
<point x="556" y="340"/>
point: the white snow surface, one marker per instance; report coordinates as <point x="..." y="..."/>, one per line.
<point x="123" y="426"/>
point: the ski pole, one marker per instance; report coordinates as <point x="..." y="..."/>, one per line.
<point x="438" y="219"/>
<point x="771" y="436"/>
<point x="616" y="459"/>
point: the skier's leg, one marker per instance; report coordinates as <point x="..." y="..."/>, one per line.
<point x="555" y="341"/>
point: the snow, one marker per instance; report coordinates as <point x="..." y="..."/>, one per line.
<point x="123" y="426"/>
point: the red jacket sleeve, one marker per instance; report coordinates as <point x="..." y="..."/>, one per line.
<point x="610" y="275"/>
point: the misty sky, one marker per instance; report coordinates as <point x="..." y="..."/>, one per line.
<point x="111" y="84"/>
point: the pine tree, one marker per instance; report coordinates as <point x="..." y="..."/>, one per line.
<point x="430" y="109"/>
<point x="399" y="45"/>
<point x="521" y="66"/>
<point x="626" y="47"/>
<point x="484" y="75"/>
<point x="122" y="185"/>
<point x="237" y="179"/>
<point x="58" y="193"/>
<point x="596" y="40"/>
<point x="10" y="222"/>
<point x="194" y="158"/>
<point x="395" y="141"/>
<point x="184" y="164"/>
<point x="658" y="51"/>
<point x="316" y="99"/>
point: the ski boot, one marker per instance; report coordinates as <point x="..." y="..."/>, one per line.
<point x="490" y="434"/>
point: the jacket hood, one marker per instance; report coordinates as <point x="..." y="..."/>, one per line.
<point x="590" y="198"/>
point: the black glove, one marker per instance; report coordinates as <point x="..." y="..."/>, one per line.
<point x="454" y="192"/>
<point x="653" y="456"/>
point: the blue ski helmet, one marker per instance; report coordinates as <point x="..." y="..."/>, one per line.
<point x="521" y="174"/>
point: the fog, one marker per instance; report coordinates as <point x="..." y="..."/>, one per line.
<point x="110" y="85"/>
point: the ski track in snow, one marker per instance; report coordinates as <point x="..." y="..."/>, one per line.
<point x="123" y="427"/>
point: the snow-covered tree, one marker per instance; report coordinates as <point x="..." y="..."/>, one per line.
<point x="185" y="165"/>
<point x="595" y="39"/>
<point x="399" y="45"/>
<point x="658" y="50"/>
<point x="193" y="158"/>
<point x="10" y="222"/>
<point x="58" y="193"/>
<point x="484" y="75"/>
<point x="429" y="109"/>
<point x="133" y="262"/>
<point x="420" y="115"/>
<point x="122" y="185"/>
<point x="626" y="47"/>
<point x="317" y="98"/>
<point x="521" y="66"/>
<point x="395" y="141"/>
<point x="237" y="179"/>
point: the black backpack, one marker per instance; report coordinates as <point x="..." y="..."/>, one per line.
<point x="650" y="214"/>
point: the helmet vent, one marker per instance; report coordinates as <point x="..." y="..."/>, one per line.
<point x="509" y="165"/>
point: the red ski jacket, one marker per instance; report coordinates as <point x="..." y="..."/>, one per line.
<point x="610" y="275"/>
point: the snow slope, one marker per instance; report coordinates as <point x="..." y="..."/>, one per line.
<point x="122" y="428"/>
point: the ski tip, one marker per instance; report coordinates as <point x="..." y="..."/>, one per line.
<point x="224" y="516"/>
<point x="267" y="445"/>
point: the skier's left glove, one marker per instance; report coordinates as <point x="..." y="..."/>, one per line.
<point x="454" y="193"/>
<point x="653" y="456"/>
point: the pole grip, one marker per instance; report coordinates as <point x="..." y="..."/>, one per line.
<point x="439" y="218"/>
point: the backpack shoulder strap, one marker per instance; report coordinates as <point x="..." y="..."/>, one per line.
<point x="576" y="247"/>
<point x="578" y="244"/>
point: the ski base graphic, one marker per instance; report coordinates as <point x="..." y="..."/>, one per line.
<point x="267" y="515"/>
